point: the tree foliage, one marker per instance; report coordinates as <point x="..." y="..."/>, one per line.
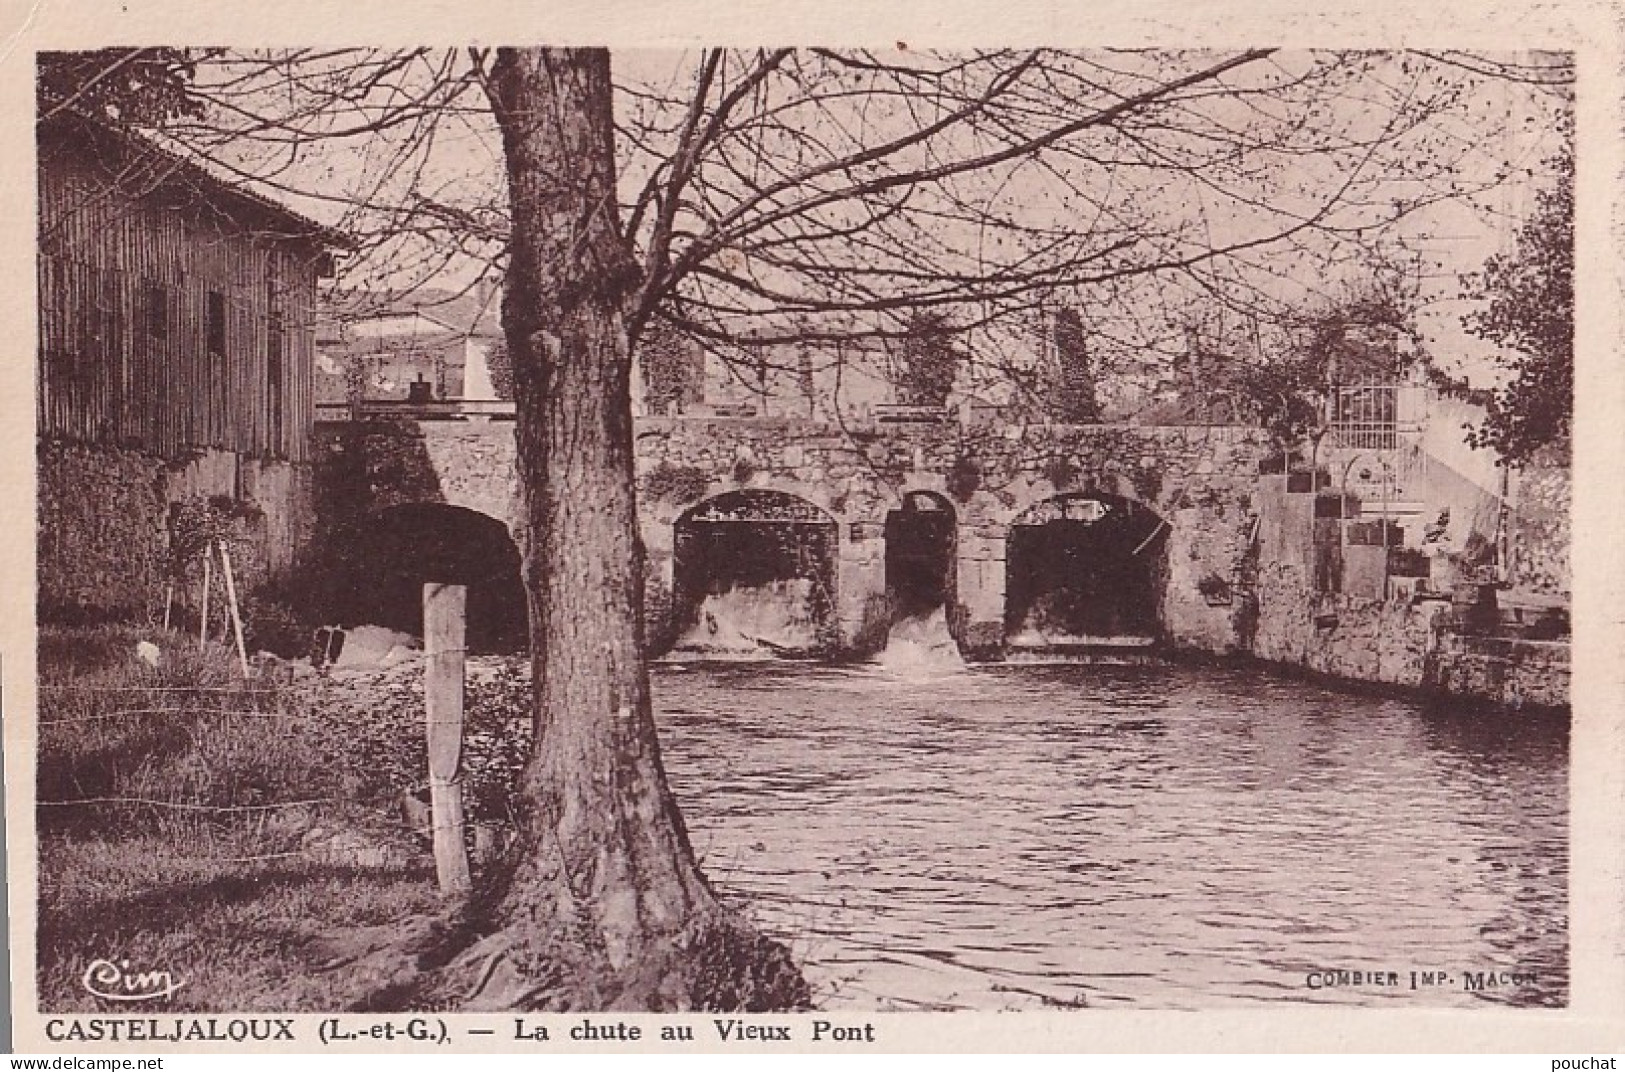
<point x="929" y="361"/>
<point x="1287" y="396"/>
<point x="763" y="197"/>
<point x="1283" y="375"/>
<point x="1074" y="399"/>
<point x="143" y="87"/>
<point x="1529" y="312"/>
<point x="784" y="196"/>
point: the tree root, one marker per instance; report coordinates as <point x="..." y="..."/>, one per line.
<point x="719" y="964"/>
<point x="421" y="963"/>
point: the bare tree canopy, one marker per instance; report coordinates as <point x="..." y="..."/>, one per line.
<point x="786" y="195"/>
<point x="761" y="197"/>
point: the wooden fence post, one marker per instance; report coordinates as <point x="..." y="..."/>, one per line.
<point x="203" y="616"/>
<point x="443" y="632"/>
<point x="231" y="603"/>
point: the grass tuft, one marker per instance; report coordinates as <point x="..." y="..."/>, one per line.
<point x="181" y="814"/>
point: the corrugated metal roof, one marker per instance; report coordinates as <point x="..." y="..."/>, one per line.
<point x="162" y="168"/>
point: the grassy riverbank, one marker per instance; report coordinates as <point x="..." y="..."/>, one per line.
<point x="194" y="823"/>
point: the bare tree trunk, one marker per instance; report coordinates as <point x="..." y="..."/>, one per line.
<point x="605" y="906"/>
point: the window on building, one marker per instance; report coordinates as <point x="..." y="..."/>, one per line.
<point x="274" y="341"/>
<point x="215" y="323"/>
<point x="1366" y="416"/>
<point x="155" y="311"/>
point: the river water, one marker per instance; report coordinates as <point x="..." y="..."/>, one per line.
<point x="1150" y="836"/>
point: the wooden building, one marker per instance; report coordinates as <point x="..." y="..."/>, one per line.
<point x="176" y="310"/>
<point x="176" y="350"/>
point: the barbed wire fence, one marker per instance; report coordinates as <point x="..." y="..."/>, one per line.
<point x="80" y="719"/>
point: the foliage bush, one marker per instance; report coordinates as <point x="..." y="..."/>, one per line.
<point x="1061" y="472"/>
<point x="675" y="484"/>
<point x="673" y="369"/>
<point x="1214" y="588"/>
<point x="1529" y="315"/>
<point x="964" y="478"/>
<point x="270" y="624"/>
<point x="384" y="730"/>
<point x="1147" y="483"/>
<point x="500" y="366"/>
<point x="930" y="361"/>
<point x="1073" y="400"/>
<point x="199" y="523"/>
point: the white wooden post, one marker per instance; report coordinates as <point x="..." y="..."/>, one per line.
<point x="208" y="579"/>
<point x="443" y="632"/>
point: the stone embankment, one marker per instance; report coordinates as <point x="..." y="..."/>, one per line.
<point x="1321" y="607"/>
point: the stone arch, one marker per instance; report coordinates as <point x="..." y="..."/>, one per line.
<point x="403" y="546"/>
<point x="754" y="571"/>
<point x="828" y="496"/>
<point x="1083" y="566"/>
<point x="921" y="559"/>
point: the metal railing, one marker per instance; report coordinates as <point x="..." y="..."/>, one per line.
<point x="1365" y="417"/>
<point x="441" y="409"/>
<point x="1365" y="435"/>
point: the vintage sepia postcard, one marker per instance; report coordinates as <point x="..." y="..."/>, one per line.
<point x="737" y="529"/>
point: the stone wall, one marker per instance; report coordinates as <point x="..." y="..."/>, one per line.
<point x="1198" y="480"/>
<point x="1240" y="552"/>
<point x="285" y="494"/>
<point x="1352" y="635"/>
<point x="103" y="525"/>
<point x="1540" y="526"/>
<point x="474" y="465"/>
<point x="1517" y="673"/>
<point x="369" y="467"/>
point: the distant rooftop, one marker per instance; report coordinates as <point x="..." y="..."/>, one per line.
<point x="473" y="311"/>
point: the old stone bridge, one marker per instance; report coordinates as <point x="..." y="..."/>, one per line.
<point x="1026" y="535"/>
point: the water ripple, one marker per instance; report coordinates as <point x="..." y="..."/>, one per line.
<point x="1160" y="836"/>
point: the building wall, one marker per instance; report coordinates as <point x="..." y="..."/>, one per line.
<point x="1360" y="633"/>
<point x="125" y="348"/>
<point x="175" y="362"/>
<point x="808" y="382"/>
<point x="387" y="353"/>
<point x="104" y="555"/>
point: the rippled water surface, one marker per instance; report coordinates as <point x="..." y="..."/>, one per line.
<point x="1163" y="837"/>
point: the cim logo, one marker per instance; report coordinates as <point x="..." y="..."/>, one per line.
<point x="116" y="982"/>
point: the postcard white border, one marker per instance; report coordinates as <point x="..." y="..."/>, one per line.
<point x="1595" y="1019"/>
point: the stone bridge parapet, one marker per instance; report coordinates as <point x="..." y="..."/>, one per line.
<point x="1199" y="480"/>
